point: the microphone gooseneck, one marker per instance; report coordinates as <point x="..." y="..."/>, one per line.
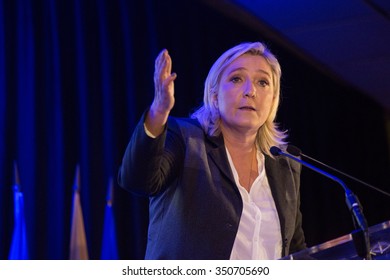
<point x="275" y="151"/>
<point x="293" y="150"/>
<point x="351" y="199"/>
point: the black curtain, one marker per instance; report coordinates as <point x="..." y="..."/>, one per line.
<point x="75" y="77"/>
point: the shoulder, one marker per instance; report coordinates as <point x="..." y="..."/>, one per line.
<point x="283" y="163"/>
<point x="184" y="125"/>
<point x="184" y="121"/>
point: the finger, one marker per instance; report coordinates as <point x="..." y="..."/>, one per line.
<point x="159" y="65"/>
<point x="168" y="63"/>
<point x="166" y="66"/>
<point x="169" y="81"/>
<point x="160" y="56"/>
<point x="163" y="78"/>
<point x="160" y="60"/>
<point x="172" y="77"/>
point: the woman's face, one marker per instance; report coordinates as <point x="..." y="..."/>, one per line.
<point x="245" y="94"/>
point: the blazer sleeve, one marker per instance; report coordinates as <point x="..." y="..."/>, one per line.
<point x="150" y="164"/>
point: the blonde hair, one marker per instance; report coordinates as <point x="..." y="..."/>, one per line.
<point x="208" y="115"/>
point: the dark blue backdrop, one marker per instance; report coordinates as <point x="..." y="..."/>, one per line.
<point x="75" y="76"/>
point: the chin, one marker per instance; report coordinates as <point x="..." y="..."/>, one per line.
<point x="249" y="126"/>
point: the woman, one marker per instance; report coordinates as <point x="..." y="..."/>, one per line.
<point x="215" y="190"/>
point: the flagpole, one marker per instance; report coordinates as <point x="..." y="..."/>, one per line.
<point x="78" y="242"/>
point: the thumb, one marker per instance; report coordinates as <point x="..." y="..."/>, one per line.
<point x="173" y="76"/>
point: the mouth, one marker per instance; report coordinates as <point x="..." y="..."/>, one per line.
<point x="247" y="108"/>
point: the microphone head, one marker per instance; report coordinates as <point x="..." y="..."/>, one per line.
<point x="295" y="151"/>
<point x="275" y="151"/>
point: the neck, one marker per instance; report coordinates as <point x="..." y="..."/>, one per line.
<point x="242" y="149"/>
<point x="244" y="159"/>
<point x="245" y="142"/>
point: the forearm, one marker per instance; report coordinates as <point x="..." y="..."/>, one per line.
<point x="150" y="164"/>
<point x="141" y="161"/>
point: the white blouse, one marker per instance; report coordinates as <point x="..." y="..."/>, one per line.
<point x="259" y="234"/>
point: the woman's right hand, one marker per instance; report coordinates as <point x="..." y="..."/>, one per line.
<point x="163" y="94"/>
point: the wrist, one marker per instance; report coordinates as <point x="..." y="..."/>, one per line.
<point x="155" y="121"/>
<point x="157" y="113"/>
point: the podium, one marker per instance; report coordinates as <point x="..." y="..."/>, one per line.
<point x="345" y="247"/>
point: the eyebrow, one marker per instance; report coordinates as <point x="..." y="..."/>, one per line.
<point x="243" y="68"/>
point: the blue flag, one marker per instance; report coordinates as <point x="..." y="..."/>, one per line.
<point x="18" y="250"/>
<point x="109" y="243"/>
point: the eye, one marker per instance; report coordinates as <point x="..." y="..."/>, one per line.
<point x="263" y="83"/>
<point x="235" y="79"/>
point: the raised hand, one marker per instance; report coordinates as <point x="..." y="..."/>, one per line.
<point x="164" y="98"/>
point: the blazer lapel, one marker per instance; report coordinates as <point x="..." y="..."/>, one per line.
<point x="277" y="179"/>
<point x="217" y="152"/>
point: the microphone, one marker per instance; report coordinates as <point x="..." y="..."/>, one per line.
<point x="295" y="151"/>
<point x="350" y="198"/>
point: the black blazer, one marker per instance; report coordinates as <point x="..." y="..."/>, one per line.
<point x="195" y="205"/>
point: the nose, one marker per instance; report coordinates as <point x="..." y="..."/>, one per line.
<point x="249" y="93"/>
<point x="250" y="90"/>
